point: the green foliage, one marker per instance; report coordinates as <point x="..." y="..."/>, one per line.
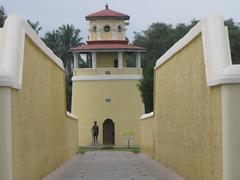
<point x="35" y="25"/>
<point x="51" y="39"/>
<point x="3" y="16"/>
<point x="60" y="41"/>
<point x="68" y="37"/>
<point x="131" y="59"/>
<point x="83" y="64"/>
<point x="159" y="37"/>
<point x="234" y="37"/>
<point x="83" y="150"/>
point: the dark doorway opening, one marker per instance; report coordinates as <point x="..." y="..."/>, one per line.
<point x="108" y="132"/>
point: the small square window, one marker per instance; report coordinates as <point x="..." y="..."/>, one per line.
<point x="108" y="72"/>
<point x="108" y="100"/>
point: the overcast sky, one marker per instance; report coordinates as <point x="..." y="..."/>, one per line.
<point x="54" y="13"/>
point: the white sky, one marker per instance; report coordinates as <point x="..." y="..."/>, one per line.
<point x="54" y="13"/>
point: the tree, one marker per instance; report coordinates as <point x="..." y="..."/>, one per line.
<point x="234" y="37"/>
<point x="52" y="40"/>
<point x="35" y="25"/>
<point x="3" y="16"/>
<point x="68" y="37"/>
<point x="157" y="39"/>
<point x="60" y="41"/>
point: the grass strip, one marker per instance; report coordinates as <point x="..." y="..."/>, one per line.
<point x="83" y="150"/>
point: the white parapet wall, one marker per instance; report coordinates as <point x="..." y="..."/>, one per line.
<point x="146" y="116"/>
<point x="12" y="50"/>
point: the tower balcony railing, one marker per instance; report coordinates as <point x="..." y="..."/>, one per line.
<point x="107" y="71"/>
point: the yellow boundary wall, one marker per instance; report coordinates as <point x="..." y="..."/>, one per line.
<point x="147" y="134"/>
<point x="196" y="91"/>
<point x="37" y="134"/>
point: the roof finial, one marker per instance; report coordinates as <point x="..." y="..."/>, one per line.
<point x="106" y="6"/>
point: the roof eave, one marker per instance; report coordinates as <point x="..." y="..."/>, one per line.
<point x="108" y="50"/>
<point x="107" y="17"/>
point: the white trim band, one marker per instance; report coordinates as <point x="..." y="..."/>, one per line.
<point x="106" y="77"/>
<point x="71" y="115"/>
<point x="146" y="116"/>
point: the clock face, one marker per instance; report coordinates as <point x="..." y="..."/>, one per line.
<point x="107" y="28"/>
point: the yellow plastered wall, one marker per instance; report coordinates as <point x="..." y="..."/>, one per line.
<point x="43" y="137"/>
<point x="105" y="60"/>
<point x="188" y="116"/>
<point x="187" y="123"/>
<point x="88" y="103"/>
<point x="107" y="35"/>
<point x="5" y="134"/>
<point x="147" y="136"/>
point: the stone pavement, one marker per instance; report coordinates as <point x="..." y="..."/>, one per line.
<point x="108" y="165"/>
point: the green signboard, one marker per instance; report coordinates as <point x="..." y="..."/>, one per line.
<point x="129" y="134"/>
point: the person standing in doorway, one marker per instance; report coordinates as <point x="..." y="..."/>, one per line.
<point x="95" y="132"/>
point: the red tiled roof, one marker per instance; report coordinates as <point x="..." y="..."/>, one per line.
<point x="107" y="14"/>
<point x="108" y="42"/>
<point x="106" y="45"/>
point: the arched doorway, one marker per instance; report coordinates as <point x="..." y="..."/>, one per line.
<point x="108" y="132"/>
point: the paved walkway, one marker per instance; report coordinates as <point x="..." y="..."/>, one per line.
<point x="112" y="166"/>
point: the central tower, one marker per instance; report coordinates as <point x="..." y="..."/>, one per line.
<point x="106" y="91"/>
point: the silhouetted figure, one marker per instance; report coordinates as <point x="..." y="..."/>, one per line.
<point x="95" y="132"/>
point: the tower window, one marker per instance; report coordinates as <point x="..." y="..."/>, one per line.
<point x="107" y="28"/>
<point x="95" y="29"/>
<point x="108" y="100"/>
<point x="119" y="29"/>
<point x="116" y="63"/>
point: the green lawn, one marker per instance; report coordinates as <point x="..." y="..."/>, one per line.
<point x="83" y="150"/>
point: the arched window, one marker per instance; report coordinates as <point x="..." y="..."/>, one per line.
<point x="94" y="28"/>
<point x="119" y="28"/>
<point x="115" y="62"/>
<point x="107" y="28"/>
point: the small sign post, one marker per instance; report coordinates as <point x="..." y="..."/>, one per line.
<point x="128" y="135"/>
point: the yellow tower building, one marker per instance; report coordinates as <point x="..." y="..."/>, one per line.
<point x="106" y="91"/>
